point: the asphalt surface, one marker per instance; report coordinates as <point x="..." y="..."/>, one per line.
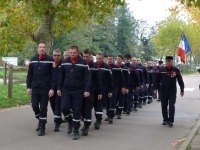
<point x="138" y="131"/>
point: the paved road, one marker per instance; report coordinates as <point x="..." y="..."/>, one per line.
<point x="139" y="131"/>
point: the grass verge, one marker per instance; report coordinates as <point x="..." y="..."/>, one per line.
<point x="19" y="96"/>
<point x="188" y="148"/>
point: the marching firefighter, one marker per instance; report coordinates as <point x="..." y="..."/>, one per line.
<point x="167" y="78"/>
<point x="40" y="84"/>
<point x="87" y="105"/>
<point x="74" y="81"/>
<point x="150" y="90"/>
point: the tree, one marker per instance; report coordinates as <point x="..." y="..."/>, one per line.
<point x="125" y="31"/>
<point x="43" y="20"/>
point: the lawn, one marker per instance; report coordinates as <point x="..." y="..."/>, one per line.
<point x="19" y="75"/>
<point x="19" y="96"/>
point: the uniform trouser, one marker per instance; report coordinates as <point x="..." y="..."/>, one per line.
<point x="120" y="101"/>
<point x="39" y="99"/>
<point x="110" y="104"/>
<point x="52" y="102"/>
<point x="129" y="99"/>
<point x="168" y="98"/>
<point x="72" y="99"/>
<point x="86" y="110"/>
<point x="141" y="94"/>
<point x="145" y="92"/>
<point x="98" y="104"/>
<point x="135" y="95"/>
<point x="159" y="92"/>
<point x="57" y="112"/>
<point x="150" y="92"/>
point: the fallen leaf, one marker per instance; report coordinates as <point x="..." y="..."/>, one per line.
<point x="181" y="140"/>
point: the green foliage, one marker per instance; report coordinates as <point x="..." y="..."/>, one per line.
<point x="190" y="3"/>
<point x="43" y="20"/>
<point x="20" y="96"/>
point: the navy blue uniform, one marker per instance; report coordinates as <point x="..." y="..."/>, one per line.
<point x="119" y="83"/>
<point x="120" y="96"/>
<point x="40" y="80"/>
<point x="150" y="90"/>
<point x="134" y="82"/>
<point x="107" y="87"/>
<point x="145" y="80"/>
<point x="95" y="88"/>
<point x="55" y="101"/>
<point x="167" y="78"/>
<point x="74" y="80"/>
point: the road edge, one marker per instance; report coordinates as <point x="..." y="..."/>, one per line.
<point x="190" y="136"/>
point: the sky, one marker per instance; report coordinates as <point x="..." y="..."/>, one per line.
<point x="150" y="10"/>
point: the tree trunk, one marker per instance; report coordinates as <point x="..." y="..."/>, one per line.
<point x="45" y="31"/>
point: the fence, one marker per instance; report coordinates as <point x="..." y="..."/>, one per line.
<point x="13" y="77"/>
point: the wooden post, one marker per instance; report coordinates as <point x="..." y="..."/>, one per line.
<point x="4" y="73"/>
<point x="10" y="81"/>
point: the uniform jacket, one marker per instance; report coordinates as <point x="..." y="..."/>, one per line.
<point x="134" y="75"/>
<point x="106" y="77"/>
<point x="56" y="74"/>
<point x="167" y="79"/>
<point x="41" y="73"/>
<point x="143" y="69"/>
<point x="118" y="77"/>
<point x="74" y="76"/>
<point x="150" y="74"/>
<point x="95" y="78"/>
<point x="126" y="74"/>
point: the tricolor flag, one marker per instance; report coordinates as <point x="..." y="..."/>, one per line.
<point x="184" y="48"/>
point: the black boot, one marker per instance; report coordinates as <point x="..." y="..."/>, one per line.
<point x="85" y="130"/>
<point x="56" y="128"/>
<point x="70" y="127"/>
<point x="97" y="124"/>
<point x="41" y="130"/>
<point x="135" y="107"/>
<point x="76" y="135"/>
<point x="140" y="105"/>
<point x="110" y="120"/>
<point x="119" y="114"/>
<point x="107" y="119"/>
<point x="144" y="102"/>
<point x="38" y="126"/>
<point x="117" y="111"/>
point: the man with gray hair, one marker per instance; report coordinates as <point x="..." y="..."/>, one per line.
<point x="66" y="54"/>
<point x="55" y="101"/>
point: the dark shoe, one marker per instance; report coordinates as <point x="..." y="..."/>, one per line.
<point x="170" y="124"/>
<point x="97" y="124"/>
<point x="149" y="102"/>
<point x="140" y="105"/>
<point x="165" y="123"/>
<point x="124" y="112"/>
<point x="70" y="127"/>
<point x="119" y="117"/>
<point x="56" y="128"/>
<point x="75" y="135"/>
<point x="144" y="103"/>
<point x="158" y="100"/>
<point x="83" y="128"/>
<point x="41" y="130"/>
<point x="107" y="119"/>
<point x="135" y="109"/>
<point x="128" y="113"/>
<point x="85" y="131"/>
<point x="38" y="127"/>
<point x="110" y="120"/>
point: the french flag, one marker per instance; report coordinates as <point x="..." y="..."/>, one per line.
<point x="184" y="48"/>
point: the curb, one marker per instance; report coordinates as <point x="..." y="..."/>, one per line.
<point x="191" y="134"/>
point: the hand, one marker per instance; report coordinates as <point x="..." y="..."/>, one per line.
<point x="99" y="96"/>
<point x="59" y="92"/>
<point x="147" y="85"/>
<point x="51" y="93"/>
<point x="126" y="91"/>
<point x="123" y="90"/>
<point x="29" y="91"/>
<point x="137" y="88"/>
<point x="155" y="92"/>
<point x="86" y="94"/>
<point x="182" y="93"/>
<point x="109" y="94"/>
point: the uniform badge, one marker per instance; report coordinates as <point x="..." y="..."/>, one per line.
<point x="173" y="74"/>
